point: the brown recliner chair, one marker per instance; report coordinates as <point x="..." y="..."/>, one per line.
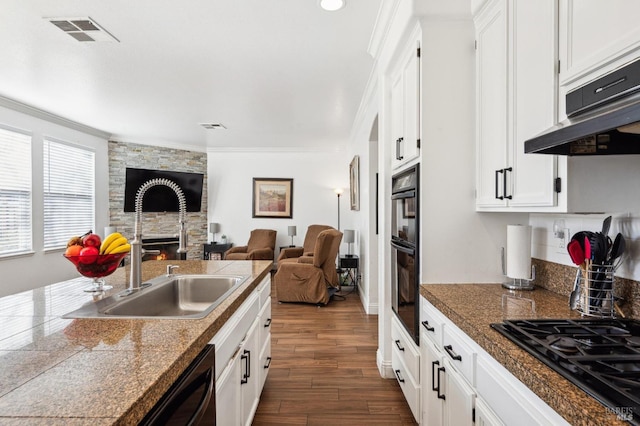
<point x="261" y="246"/>
<point x="309" y="278"/>
<point x="291" y="254"/>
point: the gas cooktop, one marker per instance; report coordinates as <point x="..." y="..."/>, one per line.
<point x="600" y="356"/>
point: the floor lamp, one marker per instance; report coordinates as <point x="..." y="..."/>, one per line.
<point x="338" y="192"/>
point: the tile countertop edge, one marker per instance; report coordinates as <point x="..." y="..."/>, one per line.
<point x="153" y="394"/>
<point x="573" y="404"/>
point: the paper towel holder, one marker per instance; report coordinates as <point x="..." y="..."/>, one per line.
<point x="517" y="283"/>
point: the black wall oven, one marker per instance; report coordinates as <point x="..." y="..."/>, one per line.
<point x="405" y="240"/>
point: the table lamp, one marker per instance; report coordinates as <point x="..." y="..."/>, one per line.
<point x="291" y="231"/>
<point x="214" y="228"/>
<point x="349" y="237"/>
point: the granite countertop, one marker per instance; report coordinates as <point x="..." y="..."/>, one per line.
<point x="59" y="371"/>
<point x="473" y="307"/>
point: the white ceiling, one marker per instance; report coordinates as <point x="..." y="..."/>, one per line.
<point x="276" y="73"/>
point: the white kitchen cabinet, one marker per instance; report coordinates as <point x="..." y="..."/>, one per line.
<point x="243" y="345"/>
<point x="405" y="361"/>
<point x="596" y="34"/>
<point x="485" y="415"/>
<point x="459" y="397"/>
<point x="405" y="105"/>
<point x="430" y="379"/>
<point x="516" y="97"/>
<point x="508" y="399"/>
<point x="463" y="384"/>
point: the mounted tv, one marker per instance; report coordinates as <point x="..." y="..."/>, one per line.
<point x="161" y="198"/>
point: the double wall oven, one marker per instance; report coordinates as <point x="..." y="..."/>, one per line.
<point x="405" y="241"/>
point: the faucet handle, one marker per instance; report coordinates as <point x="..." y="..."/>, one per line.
<point x="170" y="269"/>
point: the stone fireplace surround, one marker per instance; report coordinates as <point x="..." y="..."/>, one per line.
<point x="125" y="154"/>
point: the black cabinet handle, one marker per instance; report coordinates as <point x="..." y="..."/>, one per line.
<point x="268" y="364"/>
<point x="433" y="377"/>
<point x="452" y="354"/>
<point x="398" y="376"/>
<point x="398" y="155"/>
<point x="440" y="395"/>
<point x="426" y="325"/>
<point x="246" y="357"/>
<point x="504" y="183"/>
<point x="499" y="197"/>
<point x="267" y="323"/>
<point x="397" y="342"/>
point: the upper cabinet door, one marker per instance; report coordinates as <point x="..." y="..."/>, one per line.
<point x="405" y="101"/>
<point x="595" y="33"/>
<point x="534" y="96"/>
<point x="516" y="92"/>
<point x="491" y="105"/>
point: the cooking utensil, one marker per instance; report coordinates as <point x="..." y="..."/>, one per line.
<point x="573" y="297"/>
<point x="617" y="249"/>
<point x="576" y="251"/>
<point x="606" y="224"/>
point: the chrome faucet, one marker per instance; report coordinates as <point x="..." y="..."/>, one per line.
<point x="136" y="244"/>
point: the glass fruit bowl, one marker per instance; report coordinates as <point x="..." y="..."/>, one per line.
<point x="97" y="267"/>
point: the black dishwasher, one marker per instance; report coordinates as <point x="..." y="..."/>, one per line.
<point x="191" y="399"/>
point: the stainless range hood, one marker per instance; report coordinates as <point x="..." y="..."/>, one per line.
<point x="604" y="118"/>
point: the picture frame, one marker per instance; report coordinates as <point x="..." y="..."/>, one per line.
<point x="272" y="198"/>
<point x="354" y="183"/>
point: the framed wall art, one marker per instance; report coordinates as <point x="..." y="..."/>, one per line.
<point x="354" y="183"/>
<point x="273" y="197"/>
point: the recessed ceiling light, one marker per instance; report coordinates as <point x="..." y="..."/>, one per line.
<point x="82" y="29"/>
<point x="332" y="5"/>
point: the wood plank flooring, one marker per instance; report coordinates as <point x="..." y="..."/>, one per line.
<point x="323" y="369"/>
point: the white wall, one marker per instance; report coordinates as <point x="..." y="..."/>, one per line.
<point x="39" y="268"/>
<point x="315" y="176"/>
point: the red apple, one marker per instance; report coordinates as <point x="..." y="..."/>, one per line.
<point x="89" y="254"/>
<point x="91" y="240"/>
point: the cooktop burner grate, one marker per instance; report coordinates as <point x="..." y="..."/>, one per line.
<point x="600" y="356"/>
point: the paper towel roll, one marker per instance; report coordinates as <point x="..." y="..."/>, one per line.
<point x="519" y="251"/>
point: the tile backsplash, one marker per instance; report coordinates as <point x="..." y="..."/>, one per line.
<point x="560" y="278"/>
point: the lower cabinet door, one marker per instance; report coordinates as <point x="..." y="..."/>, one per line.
<point x="459" y="398"/>
<point x="228" y="393"/>
<point x="250" y="375"/>
<point x="485" y="415"/>
<point x="431" y="382"/>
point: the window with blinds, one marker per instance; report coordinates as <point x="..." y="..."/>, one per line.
<point x="69" y="188"/>
<point x="15" y="192"/>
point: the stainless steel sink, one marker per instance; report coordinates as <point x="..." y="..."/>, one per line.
<point x="171" y="297"/>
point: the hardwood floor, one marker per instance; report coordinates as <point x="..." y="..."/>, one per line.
<point x="323" y="369"/>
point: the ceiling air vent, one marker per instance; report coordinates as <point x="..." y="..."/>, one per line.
<point x="213" y="126"/>
<point x="82" y="29"/>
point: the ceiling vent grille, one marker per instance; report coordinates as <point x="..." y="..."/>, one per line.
<point x="82" y="29"/>
<point x="213" y="126"/>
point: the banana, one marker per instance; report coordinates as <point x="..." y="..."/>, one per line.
<point x="124" y="248"/>
<point x="115" y="244"/>
<point x="107" y="241"/>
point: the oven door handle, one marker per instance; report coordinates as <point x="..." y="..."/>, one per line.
<point x="206" y="399"/>
<point x="403" y="249"/>
<point x="402" y="195"/>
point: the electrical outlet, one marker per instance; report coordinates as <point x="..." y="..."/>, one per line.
<point x="561" y="243"/>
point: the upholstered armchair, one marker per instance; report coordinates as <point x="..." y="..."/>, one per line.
<point x="309" y="277"/>
<point x="291" y="254"/>
<point x="261" y="246"/>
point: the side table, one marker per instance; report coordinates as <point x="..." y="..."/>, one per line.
<point x="214" y="251"/>
<point x="351" y="263"/>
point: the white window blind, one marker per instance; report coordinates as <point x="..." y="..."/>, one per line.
<point x="15" y="192"/>
<point x="69" y="187"/>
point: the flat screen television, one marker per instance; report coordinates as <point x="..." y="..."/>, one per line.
<point x="161" y="198"/>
